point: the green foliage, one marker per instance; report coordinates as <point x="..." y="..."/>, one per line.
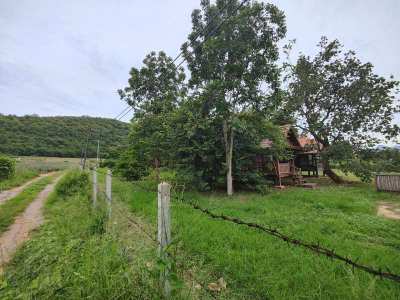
<point x="385" y="160"/>
<point x="72" y="183"/>
<point x="157" y="87"/>
<point x="7" y="167"/>
<point x="195" y="150"/>
<point x="131" y="166"/>
<point x="340" y="100"/>
<point x="361" y="168"/>
<point x="58" y="136"/>
<point x="185" y="133"/>
<point x="235" y="69"/>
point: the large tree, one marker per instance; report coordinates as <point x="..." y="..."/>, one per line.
<point x="231" y="54"/>
<point x="341" y="102"/>
<point x="154" y="91"/>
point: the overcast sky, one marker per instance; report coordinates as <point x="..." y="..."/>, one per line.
<point x="70" y="57"/>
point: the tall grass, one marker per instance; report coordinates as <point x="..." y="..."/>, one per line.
<point x="15" y="206"/>
<point x="72" y="256"/>
<point x="77" y="254"/>
<point x="258" y="266"/>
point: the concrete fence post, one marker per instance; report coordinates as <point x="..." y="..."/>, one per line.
<point x="94" y="187"/>
<point x="109" y="191"/>
<point x="164" y="231"/>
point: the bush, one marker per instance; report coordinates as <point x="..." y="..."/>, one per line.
<point x="7" y="167"/>
<point x="73" y="182"/>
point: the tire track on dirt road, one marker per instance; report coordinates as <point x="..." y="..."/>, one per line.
<point x="29" y="220"/>
<point x="8" y="194"/>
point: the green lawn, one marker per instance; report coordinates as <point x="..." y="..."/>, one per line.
<point x="15" y="206"/>
<point x="258" y="266"/>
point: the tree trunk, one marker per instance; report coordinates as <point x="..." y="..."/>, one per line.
<point x="328" y="171"/>
<point x="228" y="141"/>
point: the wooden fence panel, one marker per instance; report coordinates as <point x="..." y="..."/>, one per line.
<point x="388" y="183"/>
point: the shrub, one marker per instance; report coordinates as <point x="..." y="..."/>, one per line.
<point x="74" y="182"/>
<point x="7" y="167"/>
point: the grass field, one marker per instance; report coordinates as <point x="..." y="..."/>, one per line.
<point x="29" y="167"/>
<point x="78" y="254"/>
<point x="257" y="266"/>
<point x="14" y="206"/>
<point x="46" y="164"/>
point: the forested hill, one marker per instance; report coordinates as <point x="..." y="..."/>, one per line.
<point x="58" y="136"/>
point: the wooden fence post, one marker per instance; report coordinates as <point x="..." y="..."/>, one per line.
<point x="164" y="231"/>
<point x="109" y="191"/>
<point x="94" y="187"/>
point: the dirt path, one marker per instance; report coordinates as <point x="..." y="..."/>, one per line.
<point x="18" y="233"/>
<point x="8" y="194"/>
<point x="389" y="210"/>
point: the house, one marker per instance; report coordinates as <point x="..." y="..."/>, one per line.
<point x="304" y="158"/>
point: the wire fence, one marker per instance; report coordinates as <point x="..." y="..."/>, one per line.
<point x="315" y="248"/>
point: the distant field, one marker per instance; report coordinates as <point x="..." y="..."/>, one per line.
<point x="46" y="164"/>
<point x="29" y="167"/>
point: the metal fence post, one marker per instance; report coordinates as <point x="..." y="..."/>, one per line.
<point x="109" y="191"/>
<point x="94" y="187"/>
<point x="164" y="231"/>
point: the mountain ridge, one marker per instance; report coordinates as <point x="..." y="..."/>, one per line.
<point x="61" y="136"/>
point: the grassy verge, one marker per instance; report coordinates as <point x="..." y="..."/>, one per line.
<point x="18" y="179"/>
<point x="257" y="266"/>
<point x="76" y="255"/>
<point x="15" y="206"/>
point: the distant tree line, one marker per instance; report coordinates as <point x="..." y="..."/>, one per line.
<point x="59" y="136"/>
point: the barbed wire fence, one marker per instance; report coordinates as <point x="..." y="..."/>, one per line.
<point x="315" y="248"/>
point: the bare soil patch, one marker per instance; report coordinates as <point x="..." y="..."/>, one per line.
<point x="6" y="195"/>
<point x="389" y="210"/>
<point x="18" y="233"/>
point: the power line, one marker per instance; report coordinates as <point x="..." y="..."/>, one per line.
<point x="122" y="112"/>
<point x="211" y="31"/>
<point x="207" y="35"/>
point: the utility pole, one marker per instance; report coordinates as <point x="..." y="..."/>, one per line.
<point x="81" y="162"/>
<point x="98" y="153"/>
<point x="86" y="146"/>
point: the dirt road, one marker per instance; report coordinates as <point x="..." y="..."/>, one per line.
<point x="8" y="194"/>
<point x="18" y="233"/>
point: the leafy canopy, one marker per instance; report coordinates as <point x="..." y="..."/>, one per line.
<point x="158" y="86"/>
<point x="232" y="51"/>
<point x="337" y="98"/>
